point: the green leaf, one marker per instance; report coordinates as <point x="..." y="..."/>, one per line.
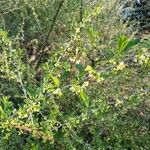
<point x="65" y="75"/>
<point x="1" y="112"/>
<point x="3" y="33"/>
<point x="84" y="98"/>
<point x="124" y="43"/>
<point x="89" y="69"/>
<point x="55" y="80"/>
<point x="131" y="43"/>
<point x="79" y="67"/>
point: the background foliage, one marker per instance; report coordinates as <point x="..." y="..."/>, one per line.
<point x="73" y="75"/>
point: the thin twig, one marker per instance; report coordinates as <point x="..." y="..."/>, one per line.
<point x="49" y="32"/>
<point x="81" y="11"/>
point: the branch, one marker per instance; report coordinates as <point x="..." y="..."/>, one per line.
<point x="49" y="32"/>
<point x="81" y="10"/>
<point x="53" y="23"/>
<point x="29" y="130"/>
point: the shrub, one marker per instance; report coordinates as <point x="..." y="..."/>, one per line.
<point x="77" y="81"/>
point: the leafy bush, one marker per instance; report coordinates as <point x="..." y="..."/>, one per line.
<point x="72" y="77"/>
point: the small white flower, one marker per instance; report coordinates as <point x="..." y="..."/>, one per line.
<point x="142" y="57"/>
<point x="57" y="92"/>
<point x="72" y="59"/>
<point x="77" y="30"/>
<point x="78" y="61"/>
<point x="119" y="103"/>
<point x="85" y="84"/>
<point x="91" y="75"/>
<point x="121" y="66"/>
<point x="72" y="89"/>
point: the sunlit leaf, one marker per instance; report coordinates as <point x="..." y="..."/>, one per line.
<point x="55" y="80"/>
<point x="124" y="43"/>
<point x="84" y="98"/>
